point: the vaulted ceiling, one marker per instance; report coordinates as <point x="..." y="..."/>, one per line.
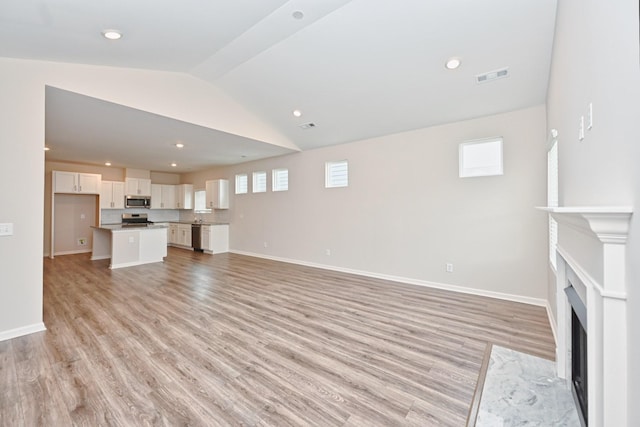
<point x="354" y="68"/>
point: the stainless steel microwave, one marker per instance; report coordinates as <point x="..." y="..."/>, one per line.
<point x="143" y="202"/>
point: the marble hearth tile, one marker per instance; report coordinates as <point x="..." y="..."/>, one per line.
<point x="523" y="390"/>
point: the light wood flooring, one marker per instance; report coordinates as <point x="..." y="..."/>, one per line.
<point x="235" y="340"/>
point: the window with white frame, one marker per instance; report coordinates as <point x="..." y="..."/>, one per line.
<point x="259" y="182"/>
<point x="200" y="202"/>
<point x="242" y="185"/>
<point x="280" y="180"/>
<point x="482" y="157"/>
<point x="552" y="194"/>
<point x="337" y="174"/>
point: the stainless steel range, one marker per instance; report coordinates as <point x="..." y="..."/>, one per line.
<point x="135" y="220"/>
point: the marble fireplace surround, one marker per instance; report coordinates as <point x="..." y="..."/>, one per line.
<point x="592" y="245"/>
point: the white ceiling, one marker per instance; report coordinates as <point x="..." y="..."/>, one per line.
<point x="355" y="68"/>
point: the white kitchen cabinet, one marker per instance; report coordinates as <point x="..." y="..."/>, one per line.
<point x="215" y="238"/>
<point x="184" y="235"/>
<point x="75" y="182"/>
<point x="138" y="187"/>
<point x="217" y="194"/>
<point x="173" y="234"/>
<point x="163" y="196"/>
<point x="112" y="195"/>
<point x="184" y="196"/>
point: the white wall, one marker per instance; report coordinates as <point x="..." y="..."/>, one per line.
<point x="22" y="195"/>
<point x="22" y="84"/>
<point x="595" y="59"/>
<point x="406" y="213"/>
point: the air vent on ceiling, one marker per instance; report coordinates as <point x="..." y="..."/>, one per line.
<point x="492" y="75"/>
<point x="307" y="125"/>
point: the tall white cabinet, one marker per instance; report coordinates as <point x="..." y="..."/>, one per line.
<point x="217" y="194"/>
<point x="112" y="195"/>
<point x="184" y="196"/>
<point x="163" y="196"/>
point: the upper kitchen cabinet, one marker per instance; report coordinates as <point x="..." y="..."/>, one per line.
<point x="112" y="195"/>
<point x="163" y="196"/>
<point x="75" y="182"/>
<point x="184" y="196"/>
<point x="217" y="194"/>
<point x="138" y="187"/>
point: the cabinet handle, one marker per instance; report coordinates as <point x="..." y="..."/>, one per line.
<point x="75" y="188"/>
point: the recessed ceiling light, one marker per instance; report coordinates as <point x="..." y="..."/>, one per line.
<point x="107" y="163"/>
<point x="298" y="14"/>
<point x="112" y="34"/>
<point x="453" y="63"/>
<point x="180" y="145"/>
<point x="47" y="148"/>
<point x="173" y="165"/>
<point x="297" y="113"/>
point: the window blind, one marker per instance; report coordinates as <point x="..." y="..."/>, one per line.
<point x="337" y="174"/>
<point x="259" y="182"/>
<point x="552" y="198"/>
<point x="241" y="184"/>
<point x="280" y="180"/>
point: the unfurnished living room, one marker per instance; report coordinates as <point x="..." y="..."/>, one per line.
<point x="320" y="213"/>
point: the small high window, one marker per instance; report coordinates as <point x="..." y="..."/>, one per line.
<point x="482" y="157"/>
<point x="337" y="174"/>
<point x="260" y="182"/>
<point x="242" y="184"/>
<point x="280" y="180"/>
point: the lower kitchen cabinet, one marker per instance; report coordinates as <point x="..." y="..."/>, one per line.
<point x="215" y="238"/>
<point x="179" y="235"/>
<point x="184" y="235"/>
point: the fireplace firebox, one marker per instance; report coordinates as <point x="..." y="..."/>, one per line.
<point x="579" y="366"/>
<point x="578" y="346"/>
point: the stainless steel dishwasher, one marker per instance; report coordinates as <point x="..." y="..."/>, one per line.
<point x="196" y="237"/>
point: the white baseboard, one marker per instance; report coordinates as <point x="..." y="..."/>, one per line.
<point x="24" y="330"/>
<point x="407" y="280"/>
<point x="79" y="251"/>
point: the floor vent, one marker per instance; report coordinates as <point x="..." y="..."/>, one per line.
<point x="492" y="75"/>
<point x="307" y="125"/>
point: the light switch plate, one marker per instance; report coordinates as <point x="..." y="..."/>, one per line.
<point x="6" y="229"/>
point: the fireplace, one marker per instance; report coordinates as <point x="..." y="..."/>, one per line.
<point x="591" y="310"/>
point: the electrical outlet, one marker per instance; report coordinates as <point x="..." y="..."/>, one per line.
<point x="82" y="241"/>
<point x="327" y="252"/>
<point x="265" y="244"/>
<point x="449" y="267"/>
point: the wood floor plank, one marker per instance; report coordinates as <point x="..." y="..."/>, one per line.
<point x="236" y="340"/>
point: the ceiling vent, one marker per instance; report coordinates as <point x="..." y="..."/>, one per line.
<point x="307" y="125"/>
<point x="492" y="75"/>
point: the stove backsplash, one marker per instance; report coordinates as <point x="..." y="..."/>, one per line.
<point x="114" y="216"/>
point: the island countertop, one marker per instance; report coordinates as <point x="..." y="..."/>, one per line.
<point x="128" y="246"/>
<point x="120" y="227"/>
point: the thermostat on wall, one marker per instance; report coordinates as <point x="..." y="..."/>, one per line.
<point x="6" y="229"/>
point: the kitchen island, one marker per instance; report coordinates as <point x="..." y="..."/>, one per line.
<point x="129" y="246"/>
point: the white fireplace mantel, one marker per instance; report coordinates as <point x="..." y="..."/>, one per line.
<point x="610" y="224"/>
<point x="606" y="308"/>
